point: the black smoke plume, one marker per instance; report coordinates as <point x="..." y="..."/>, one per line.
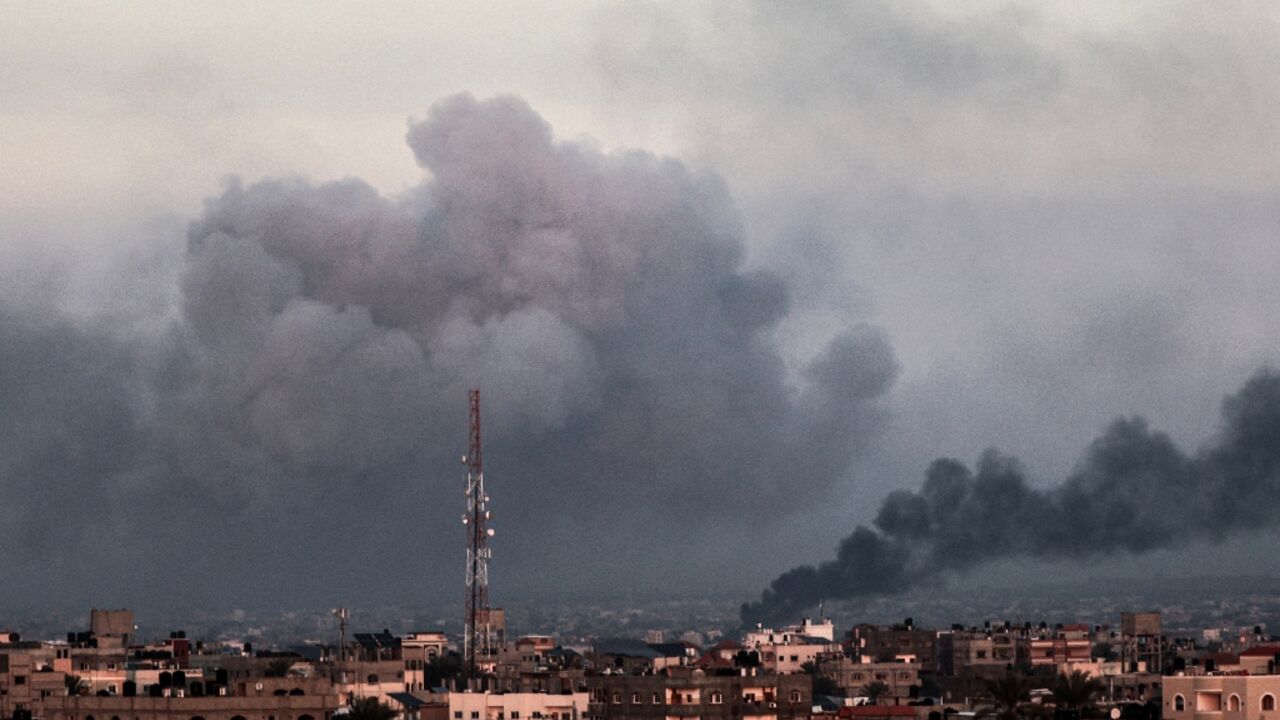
<point x="1134" y="491"/>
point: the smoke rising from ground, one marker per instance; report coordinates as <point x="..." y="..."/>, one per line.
<point x="1133" y="492"/>
<point x="300" y="420"/>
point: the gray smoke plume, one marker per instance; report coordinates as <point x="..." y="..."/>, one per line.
<point x="299" y="423"/>
<point x="1134" y="491"/>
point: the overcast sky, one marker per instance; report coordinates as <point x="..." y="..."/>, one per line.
<point x="817" y="245"/>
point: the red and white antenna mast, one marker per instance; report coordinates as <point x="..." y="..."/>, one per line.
<point x="477" y="633"/>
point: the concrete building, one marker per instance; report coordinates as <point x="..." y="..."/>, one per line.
<point x="902" y="643"/>
<point x="1059" y="648"/>
<point x="1141" y="641"/>
<point x="206" y="707"/>
<point x="852" y="677"/>
<point x="516" y="706"/>
<point x="1221" y="697"/>
<point x="115" y="624"/>
<point x="788" y="650"/>
<point x="973" y="652"/>
<point x="697" y="695"/>
<point x="805" y="631"/>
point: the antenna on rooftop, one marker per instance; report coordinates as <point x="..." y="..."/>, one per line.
<point x="342" y="615"/>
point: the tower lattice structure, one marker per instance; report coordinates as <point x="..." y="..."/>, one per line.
<point x="477" y="632"/>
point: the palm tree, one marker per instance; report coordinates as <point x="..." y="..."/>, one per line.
<point x="874" y="690"/>
<point x="1006" y="696"/>
<point x="279" y="667"/>
<point x="371" y="708"/>
<point x="75" y="684"/>
<point x="1077" y="690"/>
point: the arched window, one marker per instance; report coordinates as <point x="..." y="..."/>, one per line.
<point x="635" y="698"/>
<point x="1268" y="702"/>
<point x="657" y="698"/>
<point x="795" y="696"/>
<point x="1233" y="703"/>
<point x="1179" y="704"/>
<point x="716" y="697"/>
<point x="617" y="698"/>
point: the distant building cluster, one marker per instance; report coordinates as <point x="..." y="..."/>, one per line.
<point x="807" y="670"/>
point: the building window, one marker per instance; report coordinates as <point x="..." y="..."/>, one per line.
<point x="1268" y="702"/>
<point x="1233" y="703"/>
<point x="475" y="715"/>
<point x="635" y="698"/>
<point x="1179" y="704"/>
<point x="19" y="679"/>
<point x="515" y="715"/>
<point x="373" y="679"/>
<point x="795" y="696"/>
<point x="457" y="715"/>
<point x="657" y="698"/>
<point x="617" y="698"/>
<point x="716" y="697"/>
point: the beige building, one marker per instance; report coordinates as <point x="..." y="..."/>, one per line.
<point x="852" y="677"/>
<point x="207" y="707"/>
<point x="517" y="706"/>
<point x="1221" y="697"/>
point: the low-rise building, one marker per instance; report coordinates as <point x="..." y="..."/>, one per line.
<point x="1221" y="697"/>
<point x="694" y="694"/>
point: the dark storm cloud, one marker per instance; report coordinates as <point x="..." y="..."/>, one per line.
<point x="328" y="334"/>
<point x="1133" y="492"/>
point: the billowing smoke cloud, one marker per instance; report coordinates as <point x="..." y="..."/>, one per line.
<point x="1134" y="491"/>
<point x="314" y="380"/>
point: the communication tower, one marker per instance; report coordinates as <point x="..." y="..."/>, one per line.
<point x="477" y="633"/>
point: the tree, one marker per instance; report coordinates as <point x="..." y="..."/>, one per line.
<point x="1103" y="651"/>
<point x="874" y="691"/>
<point x="1077" y="690"/>
<point x="371" y="708"/>
<point x="279" y="667"/>
<point x="1006" y="696"/>
<point x="441" y="669"/>
<point x="822" y="684"/>
<point x="75" y="685"/>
